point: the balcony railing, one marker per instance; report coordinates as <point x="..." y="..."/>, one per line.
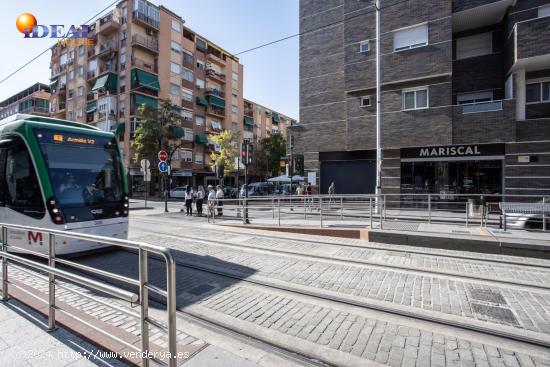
<point x="35" y="109"/>
<point x="150" y="43"/>
<point x="90" y="97"/>
<point x="214" y="74"/>
<point x="216" y="111"/>
<point x="144" y="18"/>
<point x="142" y="64"/>
<point x="249" y="112"/>
<point x="108" y="24"/>
<point x="107" y="68"/>
<point x="91" y="74"/>
<point x="482" y="107"/>
<point x="216" y="92"/>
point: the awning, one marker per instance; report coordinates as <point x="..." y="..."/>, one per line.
<point x="249" y="121"/>
<point x="120" y="128"/>
<point x="201" y="139"/>
<point x="53" y="82"/>
<point x="144" y="79"/>
<point x="140" y="99"/>
<point x="201" y="101"/>
<point x="275" y="117"/>
<point x="216" y="101"/>
<point x="100" y="82"/>
<point x="91" y="107"/>
<point x="176" y="132"/>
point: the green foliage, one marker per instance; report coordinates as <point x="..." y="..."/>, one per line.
<point x="228" y="142"/>
<point x="299" y="165"/>
<point x="155" y="130"/>
<point x="268" y="155"/>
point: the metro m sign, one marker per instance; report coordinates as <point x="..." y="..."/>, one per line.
<point x="34" y="237"/>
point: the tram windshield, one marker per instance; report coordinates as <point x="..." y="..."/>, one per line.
<point x="84" y="170"/>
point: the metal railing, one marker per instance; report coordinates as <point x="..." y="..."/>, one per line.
<point x="443" y="208"/>
<point x="10" y="259"/>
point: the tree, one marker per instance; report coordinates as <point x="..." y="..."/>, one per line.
<point x="229" y="150"/>
<point x="299" y="164"/>
<point x="155" y="130"/>
<point x="268" y="156"/>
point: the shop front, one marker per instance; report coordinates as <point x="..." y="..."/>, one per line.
<point x="453" y="173"/>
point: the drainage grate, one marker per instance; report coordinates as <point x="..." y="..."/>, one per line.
<point x="201" y="289"/>
<point x="487" y="295"/>
<point x="499" y="314"/>
<point x="401" y="226"/>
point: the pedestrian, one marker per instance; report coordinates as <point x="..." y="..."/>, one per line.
<point x="189" y="200"/>
<point x="300" y="190"/>
<point x="331" y="191"/>
<point x="200" y="198"/>
<point x="219" y="198"/>
<point x="309" y="193"/>
<point x="211" y="200"/>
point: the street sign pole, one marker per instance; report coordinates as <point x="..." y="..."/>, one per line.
<point x="164" y="168"/>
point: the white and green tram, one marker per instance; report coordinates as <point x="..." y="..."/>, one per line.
<point x="61" y="175"/>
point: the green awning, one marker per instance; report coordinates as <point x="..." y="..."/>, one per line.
<point x="275" y="117"/>
<point x="120" y="128"/>
<point x="249" y="121"/>
<point x="268" y="114"/>
<point x="201" y="101"/>
<point x="201" y="139"/>
<point x="100" y="82"/>
<point x="112" y="82"/>
<point x="91" y="107"/>
<point x="216" y="101"/>
<point x="176" y="132"/>
<point x="144" y="79"/>
<point x="140" y="99"/>
<point x="53" y="82"/>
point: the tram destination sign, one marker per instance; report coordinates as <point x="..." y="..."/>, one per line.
<point x="452" y="151"/>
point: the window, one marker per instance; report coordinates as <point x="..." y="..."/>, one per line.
<point x="187" y="115"/>
<point x="365" y="101"/>
<point x="70" y="115"/>
<point x="472" y="46"/>
<point x="364" y="46"/>
<point x="235" y="76"/>
<point x="80" y="91"/>
<point x="538" y="92"/>
<point x="478" y="97"/>
<point x="187" y="94"/>
<point x="216" y="125"/>
<point x="187" y="56"/>
<point x="92" y="65"/>
<point x="199" y="120"/>
<point x="80" y="50"/>
<point x="174" y="89"/>
<point x="414" y="99"/>
<point x="188" y="134"/>
<point x="176" y="25"/>
<point x="186" y="155"/>
<point x="199" y="158"/>
<point x="200" y="65"/>
<point x="174" y="46"/>
<point x="71" y="73"/>
<point x="234" y="109"/>
<point x="544" y="11"/>
<point x="80" y="70"/>
<point x="70" y="94"/>
<point x="187" y="75"/>
<point x="175" y="68"/>
<point x="412" y="37"/>
<point x="18" y="182"/>
<point x="199" y="83"/>
<point x="79" y="112"/>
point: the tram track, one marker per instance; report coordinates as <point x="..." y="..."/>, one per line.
<point x="412" y="250"/>
<point x="492" y="281"/>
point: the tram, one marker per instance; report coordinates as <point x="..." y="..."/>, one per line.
<point x="63" y="175"/>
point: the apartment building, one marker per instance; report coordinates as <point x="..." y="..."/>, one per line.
<point x="143" y="54"/>
<point x="465" y="95"/>
<point x="260" y="122"/>
<point x="34" y="100"/>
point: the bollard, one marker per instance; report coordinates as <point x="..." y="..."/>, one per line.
<point x="51" y="284"/>
<point x="380" y="214"/>
<point x="467" y="215"/>
<point x="543" y="214"/>
<point x="370" y="211"/>
<point x="279" y="210"/>
<point x="5" y="295"/>
<point x="305" y="208"/>
<point x="272" y="208"/>
<point x="384" y="206"/>
<point x="341" y="208"/>
<point x="144" y="304"/>
<point x="321" y="211"/>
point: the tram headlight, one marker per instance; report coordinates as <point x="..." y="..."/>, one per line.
<point x="55" y="213"/>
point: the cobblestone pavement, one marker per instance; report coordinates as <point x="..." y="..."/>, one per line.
<point x="522" y="309"/>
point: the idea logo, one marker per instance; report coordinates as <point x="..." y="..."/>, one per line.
<point x="28" y="25"/>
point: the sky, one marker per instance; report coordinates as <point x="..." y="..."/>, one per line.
<point x="270" y="73"/>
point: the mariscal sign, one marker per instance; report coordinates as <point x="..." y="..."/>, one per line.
<point x="467" y="150"/>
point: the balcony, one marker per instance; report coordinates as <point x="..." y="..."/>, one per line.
<point x="215" y="92"/>
<point x="36" y="110"/>
<point x="482" y="107"/>
<point x="213" y="74"/>
<point x="187" y="104"/>
<point x="106" y="50"/>
<point x="90" y="97"/>
<point x="61" y="107"/>
<point x="91" y="74"/>
<point x="143" y="19"/>
<point x="145" y="65"/>
<point x="107" y="69"/>
<point x="470" y="14"/>
<point x="216" y="111"/>
<point x="108" y="24"/>
<point x="91" y="52"/>
<point x="532" y="39"/>
<point x="62" y="88"/>
<point x="249" y="112"/>
<point x="215" y="55"/>
<point x="146" y="43"/>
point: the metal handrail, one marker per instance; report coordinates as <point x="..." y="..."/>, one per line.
<point x="52" y="272"/>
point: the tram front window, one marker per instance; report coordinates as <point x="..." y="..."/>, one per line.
<point x="85" y="173"/>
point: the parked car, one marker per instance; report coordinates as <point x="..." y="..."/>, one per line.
<point x="261" y="189"/>
<point x="178" y="192"/>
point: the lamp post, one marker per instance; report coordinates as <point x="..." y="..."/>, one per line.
<point x="378" y="104"/>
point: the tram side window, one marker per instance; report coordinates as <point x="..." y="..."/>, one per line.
<point x="22" y="189"/>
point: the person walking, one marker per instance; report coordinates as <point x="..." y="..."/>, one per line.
<point x="219" y="198"/>
<point x="200" y="198"/>
<point x="189" y="200"/>
<point x="331" y="192"/>
<point x="211" y="200"/>
<point x="309" y="193"/>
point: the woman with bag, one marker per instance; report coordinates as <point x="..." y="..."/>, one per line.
<point x="200" y="199"/>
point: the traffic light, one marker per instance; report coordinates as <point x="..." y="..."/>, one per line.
<point x="291" y="142"/>
<point x="250" y="153"/>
